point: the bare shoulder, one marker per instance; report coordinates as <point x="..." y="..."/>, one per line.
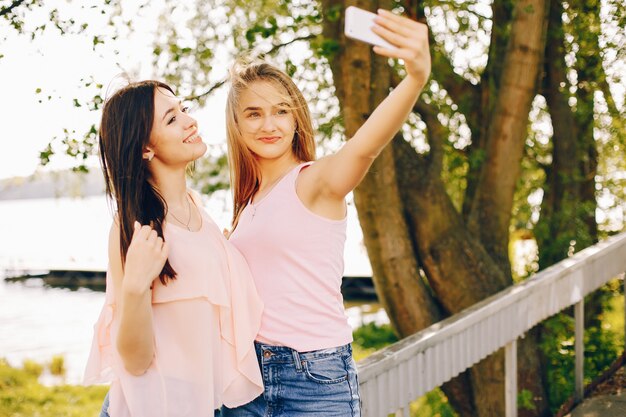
<point x="306" y="181"/>
<point x="310" y="176"/>
<point x="114" y="233"/>
<point x="313" y="190"/>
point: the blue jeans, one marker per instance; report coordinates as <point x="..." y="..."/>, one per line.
<point x="105" y="407"/>
<point x="104" y="412"/>
<point x="321" y="383"/>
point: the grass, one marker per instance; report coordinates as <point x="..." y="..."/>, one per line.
<point x="21" y="394"/>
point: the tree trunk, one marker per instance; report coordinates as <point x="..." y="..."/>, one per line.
<point x="361" y="82"/>
<point x="409" y="222"/>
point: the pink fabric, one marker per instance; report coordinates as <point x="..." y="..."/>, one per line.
<point x="296" y="259"/>
<point x="205" y="323"/>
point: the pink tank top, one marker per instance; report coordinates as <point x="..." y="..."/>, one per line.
<point x="205" y="323"/>
<point x="296" y="260"/>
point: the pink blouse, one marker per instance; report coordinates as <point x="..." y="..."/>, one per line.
<point x="205" y="323"/>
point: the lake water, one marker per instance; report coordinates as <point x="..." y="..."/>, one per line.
<point x="38" y="322"/>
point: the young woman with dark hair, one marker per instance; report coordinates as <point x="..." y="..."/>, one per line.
<point x="175" y="336"/>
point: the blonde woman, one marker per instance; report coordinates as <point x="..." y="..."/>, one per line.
<point x="290" y="223"/>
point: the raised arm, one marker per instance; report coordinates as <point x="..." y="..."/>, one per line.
<point x="338" y="174"/>
<point x="144" y="261"/>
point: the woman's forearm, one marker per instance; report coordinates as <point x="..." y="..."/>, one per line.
<point x="388" y="117"/>
<point x="135" y="341"/>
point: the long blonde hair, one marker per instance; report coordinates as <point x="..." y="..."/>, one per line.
<point x="245" y="176"/>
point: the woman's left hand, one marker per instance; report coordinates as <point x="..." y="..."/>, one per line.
<point x="410" y="38"/>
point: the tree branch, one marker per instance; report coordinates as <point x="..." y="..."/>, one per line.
<point x="275" y="48"/>
<point x="502" y="14"/>
<point x="8" y="9"/>
<point x="608" y="97"/>
<point x="491" y="210"/>
<point x="436" y="133"/>
<point x="210" y="90"/>
<point x="460" y="90"/>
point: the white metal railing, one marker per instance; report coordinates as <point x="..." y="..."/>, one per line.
<point x="393" y="377"/>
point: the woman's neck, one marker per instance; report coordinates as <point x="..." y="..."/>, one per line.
<point x="274" y="169"/>
<point x="173" y="189"/>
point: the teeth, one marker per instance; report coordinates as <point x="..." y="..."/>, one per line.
<point x="191" y="138"/>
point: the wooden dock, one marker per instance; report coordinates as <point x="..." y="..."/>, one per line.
<point x="76" y="276"/>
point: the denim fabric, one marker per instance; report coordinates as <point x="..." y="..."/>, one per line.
<point x="105" y="406"/>
<point x="321" y="383"/>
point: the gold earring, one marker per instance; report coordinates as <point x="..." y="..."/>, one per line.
<point x="150" y="157"/>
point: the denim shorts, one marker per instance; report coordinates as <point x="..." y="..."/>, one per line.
<point x="320" y="383"/>
<point x="104" y="412"/>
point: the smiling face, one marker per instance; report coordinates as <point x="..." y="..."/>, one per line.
<point x="174" y="139"/>
<point x="266" y="120"/>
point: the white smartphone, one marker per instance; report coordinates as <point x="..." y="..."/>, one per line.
<point x="359" y="24"/>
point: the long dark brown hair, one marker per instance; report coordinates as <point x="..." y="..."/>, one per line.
<point x="125" y="128"/>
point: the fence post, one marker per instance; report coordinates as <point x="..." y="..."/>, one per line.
<point x="404" y="411"/>
<point x="579" y="348"/>
<point x="510" y="379"/>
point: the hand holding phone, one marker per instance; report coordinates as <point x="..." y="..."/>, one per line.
<point x="393" y="36"/>
<point x="359" y="25"/>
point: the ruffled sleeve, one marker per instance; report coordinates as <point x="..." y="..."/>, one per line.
<point x="99" y="367"/>
<point x="240" y="322"/>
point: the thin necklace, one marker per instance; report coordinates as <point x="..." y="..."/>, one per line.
<point x="188" y="220"/>
<point x="271" y="187"/>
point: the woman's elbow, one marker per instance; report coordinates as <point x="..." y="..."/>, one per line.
<point x="135" y="370"/>
<point x="137" y="366"/>
<point x="135" y="363"/>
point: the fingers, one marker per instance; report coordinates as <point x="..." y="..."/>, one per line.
<point x="410" y="38"/>
<point x="407" y="55"/>
<point x="146" y="235"/>
<point x="136" y="229"/>
<point x="389" y="53"/>
<point x="391" y="37"/>
<point x="153" y="236"/>
<point x="144" y="232"/>
<point x="400" y="24"/>
<point x="145" y="257"/>
<point x="141" y="232"/>
<point x="400" y="31"/>
<point x="398" y="19"/>
<point x="165" y="250"/>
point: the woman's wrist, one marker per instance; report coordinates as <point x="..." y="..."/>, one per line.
<point x="418" y="81"/>
<point x="135" y="289"/>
